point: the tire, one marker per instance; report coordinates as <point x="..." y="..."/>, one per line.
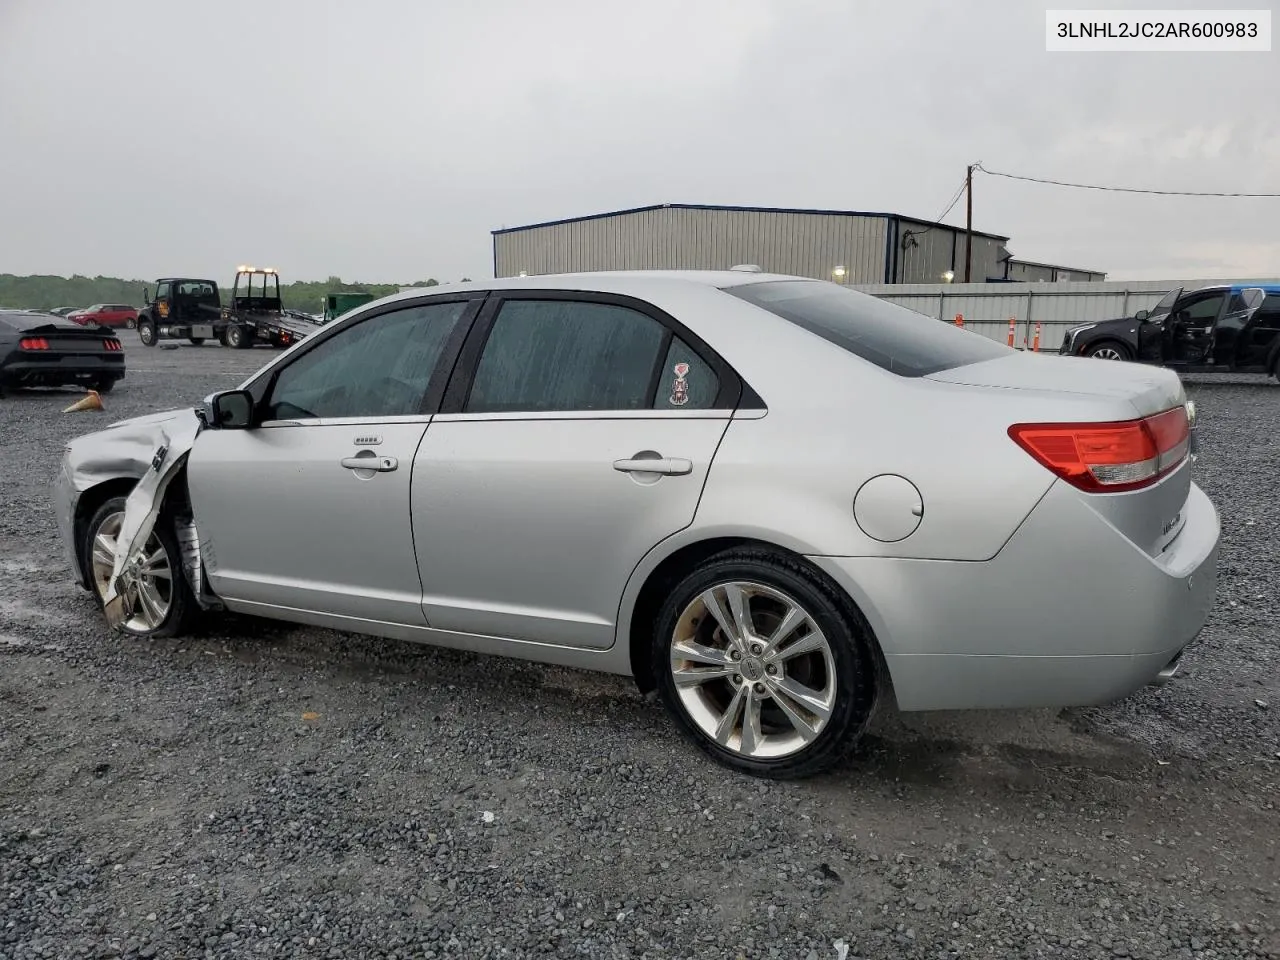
<point x="237" y="338"/>
<point x="1109" y="350"/>
<point x="131" y="323"/>
<point x="840" y="664"/>
<point x="104" y="384"/>
<point x="147" y="333"/>
<point x="196" y="341"/>
<point x="180" y="610"/>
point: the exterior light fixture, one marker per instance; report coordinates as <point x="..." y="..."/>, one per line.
<point x="948" y="276"/>
<point x="839" y="273"/>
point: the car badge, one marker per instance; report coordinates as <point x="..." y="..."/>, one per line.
<point x="680" y="386"/>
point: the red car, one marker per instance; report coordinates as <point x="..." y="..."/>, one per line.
<point x="106" y="315"/>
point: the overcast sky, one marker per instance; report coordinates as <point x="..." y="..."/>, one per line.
<point x="382" y="140"/>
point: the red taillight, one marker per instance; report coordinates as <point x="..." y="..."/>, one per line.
<point x="113" y="345"/>
<point x="33" y="343"/>
<point x="1109" y="457"/>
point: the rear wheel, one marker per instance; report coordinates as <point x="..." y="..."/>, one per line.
<point x="237" y="337"/>
<point x="104" y="384"/>
<point x="147" y="333"/>
<point x="163" y="605"/>
<point x="1108" y="350"/>
<point x="763" y="665"/>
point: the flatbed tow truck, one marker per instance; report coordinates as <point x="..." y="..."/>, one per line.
<point x="186" y="308"/>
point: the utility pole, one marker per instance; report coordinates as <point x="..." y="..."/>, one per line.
<point x="968" y="223"/>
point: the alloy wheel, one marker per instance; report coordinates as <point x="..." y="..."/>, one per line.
<point x="150" y="586"/>
<point x="753" y="670"/>
<point x="1107" y="353"/>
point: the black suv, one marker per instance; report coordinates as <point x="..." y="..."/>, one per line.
<point x="1210" y="329"/>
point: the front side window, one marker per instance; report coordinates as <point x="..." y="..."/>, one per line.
<point x="379" y="367"/>
<point x="552" y="355"/>
<point x="162" y="291"/>
<point x="892" y="337"/>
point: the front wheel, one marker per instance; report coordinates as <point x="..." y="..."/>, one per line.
<point x="237" y="338"/>
<point x="1108" y="350"/>
<point x="147" y="333"/>
<point x="764" y="666"/>
<point x="163" y="605"/>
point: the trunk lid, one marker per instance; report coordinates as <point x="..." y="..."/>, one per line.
<point x="1147" y="389"/>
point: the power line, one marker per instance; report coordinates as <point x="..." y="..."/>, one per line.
<point x="1090" y="186"/>
<point x="954" y="200"/>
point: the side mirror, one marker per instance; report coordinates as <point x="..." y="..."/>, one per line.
<point x="229" y="410"/>
<point x="1142" y="315"/>
<point x="146" y="295"/>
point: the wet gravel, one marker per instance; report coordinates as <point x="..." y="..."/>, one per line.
<point x="267" y="791"/>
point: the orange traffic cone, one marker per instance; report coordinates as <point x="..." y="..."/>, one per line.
<point x="92" y="401"/>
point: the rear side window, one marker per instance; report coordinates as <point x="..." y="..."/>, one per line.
<point x="552" y="356"/>
<point x="892" y="337"/>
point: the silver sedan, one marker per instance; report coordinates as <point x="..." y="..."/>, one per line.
<point x="773" y="500"/>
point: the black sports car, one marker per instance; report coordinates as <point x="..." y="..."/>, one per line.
<point x="42" y="350"/>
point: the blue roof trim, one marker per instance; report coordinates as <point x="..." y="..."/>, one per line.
<point x="732" y="209"/>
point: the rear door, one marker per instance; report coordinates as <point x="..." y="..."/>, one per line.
<point x="576" y="436"/>
<point x="309" y="509"/>
<point x="1189" y="332"/>
<point x="1259" y="337"/>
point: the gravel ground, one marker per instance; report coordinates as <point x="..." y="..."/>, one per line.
<point x="269" y="791"/>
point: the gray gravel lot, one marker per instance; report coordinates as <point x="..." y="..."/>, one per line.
<point x="269" y="791"/>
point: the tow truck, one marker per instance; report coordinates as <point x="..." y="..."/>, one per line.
<point x="186" y="308"/>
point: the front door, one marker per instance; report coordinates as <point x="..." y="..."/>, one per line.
<point x="309" y="508"/>
<point x="584" y="439"/>
<point x="163" y="304"/>
<point x="1189" y="331"/>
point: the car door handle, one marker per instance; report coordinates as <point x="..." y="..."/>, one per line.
<point x="672" y="466"/>
<point x="380" y="464"/>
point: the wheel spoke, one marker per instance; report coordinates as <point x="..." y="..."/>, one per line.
<point x="811" y="700"/>
<point x="740" y="607"/>
<point x="751" y="736"/>
<point x="699" y="653"/>
<point x="810" y="643"/>
<point x="724" y="729"/>
<point x="152" y="604"/>
<point x="692" y="677"/>
<point x="801" y="725"/>
<point x="793" y="618"/>
<point x="156" y="565"/>
<point x="104" y="549"/>
<point x="717" y="611"/>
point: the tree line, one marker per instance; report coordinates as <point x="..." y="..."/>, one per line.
<point x="47" y="292"/>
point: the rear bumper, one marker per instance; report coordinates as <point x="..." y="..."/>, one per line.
<point x="1069" y="613"/>
<point x="52" y="371"/>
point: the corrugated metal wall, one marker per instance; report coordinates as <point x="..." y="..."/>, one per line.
<point x="986" y="308"/>
<point x="939" y="249"/>
<point x="672" y="238"/>
<point x="1023" y="272"/>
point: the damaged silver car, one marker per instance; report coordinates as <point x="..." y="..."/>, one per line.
<point x="773" y="500"/>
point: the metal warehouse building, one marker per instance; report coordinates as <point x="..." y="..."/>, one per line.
<point x="848" y="246"/>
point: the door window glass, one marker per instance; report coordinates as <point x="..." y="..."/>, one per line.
<point x="1202" y="312"/>
<point x="379" y="367"/>
<point x="550" y="355"/>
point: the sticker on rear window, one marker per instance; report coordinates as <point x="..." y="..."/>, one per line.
<point x="680" y="386"/>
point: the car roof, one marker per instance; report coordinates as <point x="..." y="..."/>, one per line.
<point x="623" y="282"/>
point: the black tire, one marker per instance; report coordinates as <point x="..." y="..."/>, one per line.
<point x="147" y="333"/>
<point x="237" y="337"/>
<point x="104" y="384"/>
<point x="183" y="610"/>
<point x="196" y="341"/>
<point x="849" y="640"/>
<point x="1104" y="348"/>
